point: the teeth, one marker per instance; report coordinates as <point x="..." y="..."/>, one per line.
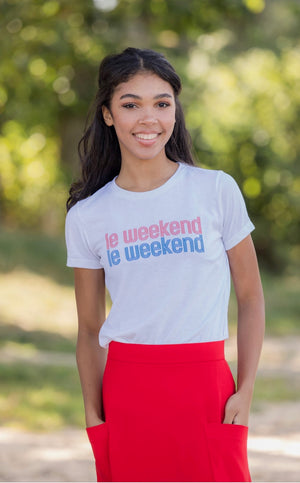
<point x="146" y="136"/>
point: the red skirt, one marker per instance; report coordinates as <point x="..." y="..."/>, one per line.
<point x="164" y="407"/>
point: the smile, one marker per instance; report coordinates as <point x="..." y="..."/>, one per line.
<point x="147" y="136"/>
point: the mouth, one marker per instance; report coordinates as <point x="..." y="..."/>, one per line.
<point x="147" y="136"/>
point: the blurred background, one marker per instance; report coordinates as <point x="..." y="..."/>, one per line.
<point x="240" y="66"/>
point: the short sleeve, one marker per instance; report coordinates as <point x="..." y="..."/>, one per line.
<point x="79" y="253"/>
<point x="236" y="224"/>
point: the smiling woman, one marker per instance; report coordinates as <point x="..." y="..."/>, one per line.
<point x="118" y="75"/>
<point x="160" y="399"/>
<point x="142" y="111"/>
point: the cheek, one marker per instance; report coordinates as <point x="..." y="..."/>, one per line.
<point x="170" y="118"/>
<point x="171" y="123"/>
<point x="122" y="125"/>
<point x="126" y="121"/>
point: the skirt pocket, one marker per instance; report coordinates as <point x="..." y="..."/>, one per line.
<point x="98" y="436"/>
<point x="227" y="447"/>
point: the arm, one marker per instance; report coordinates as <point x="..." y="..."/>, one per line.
<point x="91" y="357"/>
<point x="251" y="326"/>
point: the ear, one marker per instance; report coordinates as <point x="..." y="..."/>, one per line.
<point x="107" y="116"/>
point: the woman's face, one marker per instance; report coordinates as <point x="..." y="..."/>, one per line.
<point x="142" y="112"/>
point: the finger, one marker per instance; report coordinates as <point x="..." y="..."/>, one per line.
<point x="229" y="417"/>
<point x="228" y="420"/>
<point x="241" y="420"/>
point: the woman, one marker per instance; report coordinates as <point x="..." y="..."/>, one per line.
<point x="163" y="236"/>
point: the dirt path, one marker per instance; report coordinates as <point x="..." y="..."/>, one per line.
<point x="274" y="434"/>
<point x="274" y="443"/>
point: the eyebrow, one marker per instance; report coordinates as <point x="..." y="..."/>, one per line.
<point x="134" y="96"/>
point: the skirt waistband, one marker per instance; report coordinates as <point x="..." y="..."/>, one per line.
<point x="166" y="353"/>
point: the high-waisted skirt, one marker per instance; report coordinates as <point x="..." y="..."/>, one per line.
<point x="164" y="406"/>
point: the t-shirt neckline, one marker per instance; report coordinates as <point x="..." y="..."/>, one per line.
<point x="148" y="194"/>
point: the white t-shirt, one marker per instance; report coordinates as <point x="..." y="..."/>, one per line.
<point x="164" y="255"/>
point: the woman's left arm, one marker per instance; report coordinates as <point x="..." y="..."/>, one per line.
<point x="251" y="327"/>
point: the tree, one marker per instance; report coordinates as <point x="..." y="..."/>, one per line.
<point x="239" y="62"/>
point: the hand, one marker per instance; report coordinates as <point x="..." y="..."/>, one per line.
<point x="93" y="421"/>
<point x="237" y="409"/>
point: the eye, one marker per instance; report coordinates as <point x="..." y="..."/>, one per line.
<point x="129" y="105"/>
<point x="163" y="104"/>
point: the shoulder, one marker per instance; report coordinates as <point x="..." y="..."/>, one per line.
<point x="212" y="183"/>
<point x="226" y="184"/>
<point x="92" y="204"/>
<point x="202" y="176"/>
<point x="206" y="174"/>
<point x="199" y="171"/>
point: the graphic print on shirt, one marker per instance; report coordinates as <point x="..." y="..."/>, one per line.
<point x="159" y="239"/>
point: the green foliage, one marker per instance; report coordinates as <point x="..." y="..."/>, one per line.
<point x="248" y="119"/>
<point x="240" y="66"/>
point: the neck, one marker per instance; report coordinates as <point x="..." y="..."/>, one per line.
<point x="145" y="175"/>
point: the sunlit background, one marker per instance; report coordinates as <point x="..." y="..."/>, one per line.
<point x="240" y="66"/>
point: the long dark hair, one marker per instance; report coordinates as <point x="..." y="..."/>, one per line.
<point x="98" y="148"/>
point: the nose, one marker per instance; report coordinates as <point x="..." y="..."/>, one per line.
<point x="147" y="117"/>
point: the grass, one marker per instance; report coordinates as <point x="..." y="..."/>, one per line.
<point x="40" y="397"/>
<point x="38" y="316"/>
<point x="35" y="252"/>
<point x="276" y="389"/>
<point x="36" y="339"/>
<point x="282" y="304"/>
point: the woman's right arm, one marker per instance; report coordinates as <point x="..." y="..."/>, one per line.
<point x="91" y="357"/>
